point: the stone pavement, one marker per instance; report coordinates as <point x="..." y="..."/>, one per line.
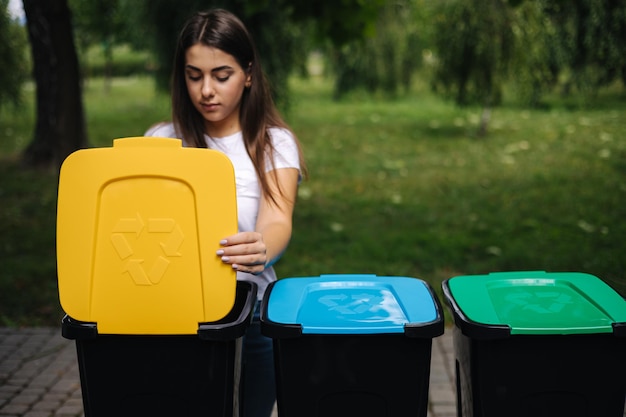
<point x="39" y="375"/>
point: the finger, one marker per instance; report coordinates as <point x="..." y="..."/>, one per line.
<point x="256" y="249"/>
<point x="255" y="270"/>
<point x="241" y="238"/>
<point x="246" y="261"/>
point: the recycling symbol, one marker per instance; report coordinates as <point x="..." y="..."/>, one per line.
<point x="540" y="302"/>
<point x="166" y="229"/>
<point x="355" y="304"/>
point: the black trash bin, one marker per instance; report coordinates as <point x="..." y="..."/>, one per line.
<point x="164" y="375"/>
<point x="157" y="318"/>
<point x="538" y="344"/>
<point x="351" y="345"/>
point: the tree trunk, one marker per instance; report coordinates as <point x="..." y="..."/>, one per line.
<point x="60" y="127"/>
<point x="484" y="121"/>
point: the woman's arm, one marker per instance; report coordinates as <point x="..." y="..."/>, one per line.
<point x="252" y="252"/>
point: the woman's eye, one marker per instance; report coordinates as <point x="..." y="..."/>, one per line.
<point x="194" y="77"/>
<point x="223" y="79"/>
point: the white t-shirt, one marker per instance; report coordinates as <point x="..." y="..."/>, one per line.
<point x="248" y="188"/>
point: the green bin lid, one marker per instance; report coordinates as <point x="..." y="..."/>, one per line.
<point x="537" y="302"/>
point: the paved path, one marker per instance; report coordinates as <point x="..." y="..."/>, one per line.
<point x="39" y="375"/>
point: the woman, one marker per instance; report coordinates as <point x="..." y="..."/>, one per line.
<point x="221" y="100"/>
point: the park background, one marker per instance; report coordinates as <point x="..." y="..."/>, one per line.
<point x="443" y="137"/>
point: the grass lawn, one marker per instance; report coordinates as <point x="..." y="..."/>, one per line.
<point x="396" y="188"/>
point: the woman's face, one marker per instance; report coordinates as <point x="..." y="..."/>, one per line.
<point x="215" y="82"/>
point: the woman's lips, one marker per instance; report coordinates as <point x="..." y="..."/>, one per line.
<point x="209" y="106"/>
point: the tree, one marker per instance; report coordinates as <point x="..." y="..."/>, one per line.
<point x="60" y="127"/>
<point x="279" y="28"/>
<point x="474" y="44"/>
<point x="539" y="54"/>
<point x="13" y="69"/>
<point x="579" y="43"/>
<point x="99" y="21"/>
<point x="591" y="35"/>
<point x="385" y="59"/>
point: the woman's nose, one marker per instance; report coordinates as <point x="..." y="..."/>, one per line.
<point x="207" y="88"/>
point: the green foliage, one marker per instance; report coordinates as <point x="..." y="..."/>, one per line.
<point x="162" y="21"/>
<point x="280" y="43"/>
<point x="397" y="187"/>
<point x="474" y="44"/>
<point x="339" y="21"/>
<point x="13" y="56"/>
<point x="128" y="109"/>
<point x="125" y="61"/>
<point x="591" y="34"/>
<point x="538" y="58"/>
<point x="478" y="46"/>
<point x="284" y="31"/>
<point x="574" y="44"/>
<point x="386" y="60"/>
<point x="98" y="22"/>
<point x="268" y="21"/>
<point x="28" y="288"/>
<point x="376" y="46"/>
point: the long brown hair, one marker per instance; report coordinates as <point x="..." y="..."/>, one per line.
<point x="221" y="29"/>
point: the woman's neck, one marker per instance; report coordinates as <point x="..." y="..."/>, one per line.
<point x="223" y="128"/>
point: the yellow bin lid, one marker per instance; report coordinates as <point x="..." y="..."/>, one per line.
<point x="138" y="225"/>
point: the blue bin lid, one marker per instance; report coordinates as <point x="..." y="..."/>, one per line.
<point x="352" y="304"/>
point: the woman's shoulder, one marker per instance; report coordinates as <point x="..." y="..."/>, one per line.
<point x="286" y="149"/>
<point x="162" y="129"/>
<point x="281" y="135"/>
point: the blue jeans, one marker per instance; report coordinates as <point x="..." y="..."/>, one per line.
<point x="259" y="387"/>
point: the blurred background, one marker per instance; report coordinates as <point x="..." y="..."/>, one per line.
<point x="443" y="137"/>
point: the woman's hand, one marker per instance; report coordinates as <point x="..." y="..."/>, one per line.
<point x="245" y="252"/>
<point x="252" y="252"/>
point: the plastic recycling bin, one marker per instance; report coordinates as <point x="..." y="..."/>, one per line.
<point x="351" y="345"/>
<point x="164" y="375"/>
<point x="538" y="344"/>
<point x="157" y="318"/>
